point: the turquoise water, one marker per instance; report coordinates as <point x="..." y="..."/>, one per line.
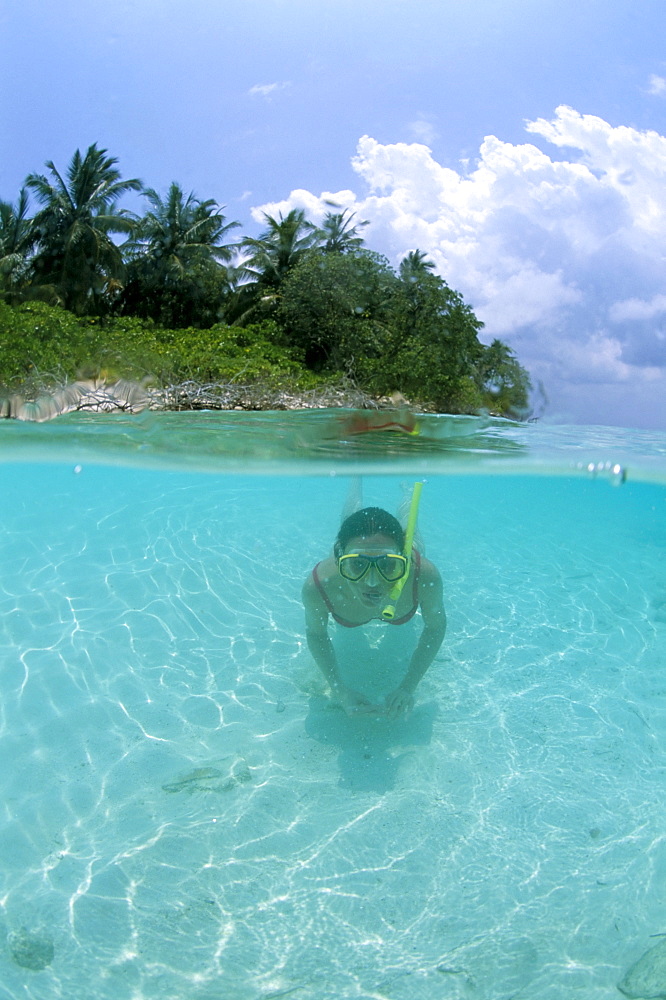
<point x="183" y="813"/>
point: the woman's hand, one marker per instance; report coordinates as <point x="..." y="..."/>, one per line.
<point x="399" y="702"/>
<point x="355" y="703"/>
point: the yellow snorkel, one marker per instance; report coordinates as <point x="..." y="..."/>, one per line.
<point x="389" y="611"/>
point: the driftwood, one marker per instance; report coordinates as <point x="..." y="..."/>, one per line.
<point x="216" y="396"/>
<point x="98" y="397"/>
<point x="123" y="396"/>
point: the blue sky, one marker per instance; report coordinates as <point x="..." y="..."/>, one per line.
<point x="553" y="229"/>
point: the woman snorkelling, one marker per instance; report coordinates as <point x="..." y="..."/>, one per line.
<point x="377" y="572"/>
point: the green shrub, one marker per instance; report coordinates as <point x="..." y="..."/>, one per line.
<point x="45" y="344"/>
<point x="37" y="339"/>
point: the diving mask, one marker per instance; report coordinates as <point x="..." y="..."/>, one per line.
<point x="391" y="566"/>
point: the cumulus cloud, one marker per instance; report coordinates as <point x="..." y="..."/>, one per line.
<point x="561" y="254"/>
<point x="315" y="205"/>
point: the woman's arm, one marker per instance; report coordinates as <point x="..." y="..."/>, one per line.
<point x="431" y="638"/>
<point x="316" y="634"/>
<point x="323" y="653"/>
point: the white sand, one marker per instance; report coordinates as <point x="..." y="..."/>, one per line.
<point x="186" y="816"/>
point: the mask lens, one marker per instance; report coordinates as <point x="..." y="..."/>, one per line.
<point x="353" y="567"/>
<point x="392" y="568"/>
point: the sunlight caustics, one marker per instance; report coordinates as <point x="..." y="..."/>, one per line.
<point x="186" y="814"/>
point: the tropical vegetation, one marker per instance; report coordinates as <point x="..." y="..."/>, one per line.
<point x="89" y="287"/>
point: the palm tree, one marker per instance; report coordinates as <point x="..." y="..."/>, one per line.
<point x="17" y="238"/>
<point x="420" y="292"/>
<point x="269" y="258"/>
<point x="177" y="257"/>
<point x="181" y="231"/>
<point x="278" y="248"/>
<point x="75" y="252"/>
<point x="337" y="234"/>
<point x="503" y="380"/>
<point x="415" y="266"/>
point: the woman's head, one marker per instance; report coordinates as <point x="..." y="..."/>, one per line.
<point x="366" y="523"/>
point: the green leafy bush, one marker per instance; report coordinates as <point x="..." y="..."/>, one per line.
<point x="47" y="345"/>
<point x="229" y="354"/>
<point x="37" y="339"/>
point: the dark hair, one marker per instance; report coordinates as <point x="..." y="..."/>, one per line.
<point x="367" y="522"/>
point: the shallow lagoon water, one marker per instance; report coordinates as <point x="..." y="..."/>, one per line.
<point x="183" y="813"/>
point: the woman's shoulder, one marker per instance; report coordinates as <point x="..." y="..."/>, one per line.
<point x="318" y="588"/>
<point x="324" y="569"/>
<point x="320" y="575"/>
<point x="428" y="572"/>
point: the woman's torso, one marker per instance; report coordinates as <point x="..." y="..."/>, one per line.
<point x="347" y="612"/>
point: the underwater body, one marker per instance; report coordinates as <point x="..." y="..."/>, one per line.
<point x="186" y="814"/>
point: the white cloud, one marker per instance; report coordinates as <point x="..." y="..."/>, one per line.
<point x="523" y="298"/>
<point x="423" y="131"/>
<point x="657" y="86"/>
<point x="637" y="309"/>
<point x="268" y="89"/>
<point x="561" y="257"/>
<point x="315" y="206"/>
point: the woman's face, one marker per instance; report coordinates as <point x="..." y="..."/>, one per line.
<point x="372" y="589"/>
